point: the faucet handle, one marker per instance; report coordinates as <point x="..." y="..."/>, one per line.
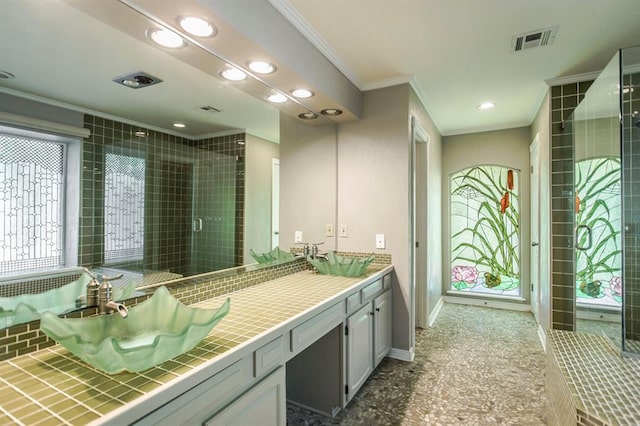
<point x="88" y="272"/>
<point x="102" y="278"/>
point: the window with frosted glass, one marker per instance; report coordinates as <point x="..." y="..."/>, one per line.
<point x="124" y="182"/>
<point x="485" y="230"/>
<point x="31" y="203"/>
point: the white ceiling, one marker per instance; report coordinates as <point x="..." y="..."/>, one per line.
<point x="456" y="53"/>
<point x="459" y="51"/>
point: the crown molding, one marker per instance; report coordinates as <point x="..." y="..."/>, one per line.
<point x="308" y="32"/>
<point x="576" y="78"/>
<point x="389" y="82"/>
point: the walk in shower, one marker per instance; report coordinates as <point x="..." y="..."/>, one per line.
<point x="605" y="129"/>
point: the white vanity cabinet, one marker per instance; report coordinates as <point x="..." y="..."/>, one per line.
<point x="367" y="334"/>
<point x="318" y="359"/>
<point x="264" y="404"/>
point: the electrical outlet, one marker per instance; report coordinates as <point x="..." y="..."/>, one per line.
<point x="380" y="244"/>
<point x="329" y="230"/>
<point x="297" y="237"/>
<point x="344" y="231"/>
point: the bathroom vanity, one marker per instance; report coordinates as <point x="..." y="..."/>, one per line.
<point x="309" y="338"/>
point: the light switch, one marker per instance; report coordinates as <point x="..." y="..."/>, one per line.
<point x="344" y="231"/>
<point x="380" y="241"/>
<point x="297" y="237"/>
<point x="329" y="230"/>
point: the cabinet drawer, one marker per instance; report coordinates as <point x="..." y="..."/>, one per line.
<point x="353" y="302"/>
<point x="386" y="282"/>
<point x="268" y="356"/>
<point x="370" y="291"/>
<point x="316" y="327"/>
<point x="197" y="404"/>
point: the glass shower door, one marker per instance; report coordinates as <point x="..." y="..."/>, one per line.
<point x="598" y="207"/>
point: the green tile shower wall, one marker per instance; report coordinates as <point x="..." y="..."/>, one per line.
<point x="631" y="191"/>
<point x="564" y="99"/>
<point x="170" y="187"/>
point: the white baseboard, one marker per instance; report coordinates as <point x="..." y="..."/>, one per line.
<point x="489" y="303"/>
<point x="402" y="354"/>
<point x="436" y="310"/>
<point x="543" y="338"/>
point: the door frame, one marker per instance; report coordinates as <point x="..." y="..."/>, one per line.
<point x="534" y="253"/>
<point x="419" y="221"/>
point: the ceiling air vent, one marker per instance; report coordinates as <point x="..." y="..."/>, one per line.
<point x="211" y="109"/>
<point x="537" y="38"/>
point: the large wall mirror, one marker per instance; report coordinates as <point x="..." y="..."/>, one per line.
<point x="143" y="196"/>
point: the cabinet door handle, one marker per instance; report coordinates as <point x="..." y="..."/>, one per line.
<point x="371" y="313"/>
<point x="377" y="309"/>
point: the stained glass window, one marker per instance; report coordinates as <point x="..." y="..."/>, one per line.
<point x="599" y="219"/>
<point x="485" y="230"/>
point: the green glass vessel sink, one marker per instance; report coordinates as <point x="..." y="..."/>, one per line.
<point x="30" y="307"/>
<point x="273" y="256"/>
<point x="156" y="330"/>
<point x="341" y="265"/>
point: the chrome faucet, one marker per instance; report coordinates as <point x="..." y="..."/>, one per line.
<point x="314" y="251"/>
<point x="106" y="305"/>
<point x="305" y="249"/>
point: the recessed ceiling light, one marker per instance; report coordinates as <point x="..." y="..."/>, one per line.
<point x="262" y="67"/>
<point x="137" y="80"/>
<point x="278" y="98"/>
<point x="179" y="125"/>
<point x="332" y="112"/>
<point x="166" y="38"/>
<point x="308" y="115"/>
<point x="302" y="93"/>
<point x="197" y="26"/>
<point x="486" y="105"/>
<point x="233" y="74"/>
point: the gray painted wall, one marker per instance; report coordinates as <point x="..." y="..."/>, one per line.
<point x="373" y="190"/>
<point x="308" y="179"/>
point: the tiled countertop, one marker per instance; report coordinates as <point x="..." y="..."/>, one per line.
<point x="604" y="387"/>
<point x="52" y="386"/>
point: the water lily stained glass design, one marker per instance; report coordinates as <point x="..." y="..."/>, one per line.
<point x="485" y="230"/>
<point x="598" y="209"/>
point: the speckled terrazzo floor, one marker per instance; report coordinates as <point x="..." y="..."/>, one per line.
<point x="475" y="366"/>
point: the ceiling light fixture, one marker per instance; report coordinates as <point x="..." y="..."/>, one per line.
<point x="233" y="74"/>
<point x="137" y="80"/>
<point x="331" y="112"/>
<point x="140" y="133"/>
<point x="486" y="105"/>
<point x="179" y="125"/>
<point x="278" y="98"/>
<point x="302" y="93"/>
<point x="262" y="67"/>
<point x="308" y="115"/>
<point x="166" y="38"/>
<point x="198" y="27"/>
